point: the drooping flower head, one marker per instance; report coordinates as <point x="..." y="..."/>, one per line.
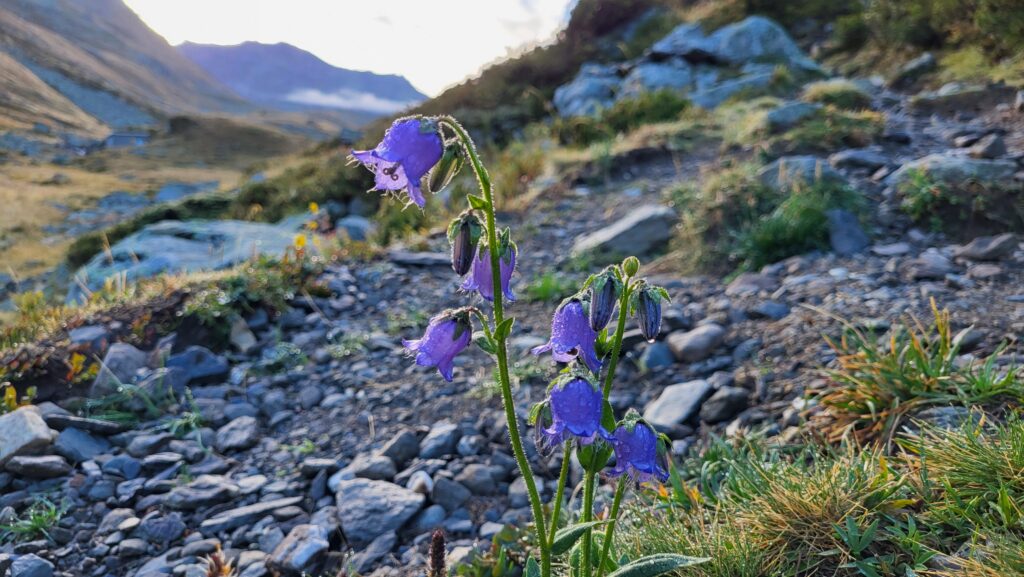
<point x="464" y="234"/>
<point x="648" y="309"/>
<point x="410" y="148"/>
<point x="446" y="336"/>
<point x="575" y="404"/>
<point x="605" y="289"/>
<point x="571" y="335"/>
<point x="639" y="450"/>
<point x="481" y="278"/>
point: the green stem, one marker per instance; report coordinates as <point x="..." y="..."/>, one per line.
<point x="620" y="329"/>
<point x="560" y="493"/>
<point x="502" y="352"/>
<point x="588" y="516"/>
<point x="613" y="518"/>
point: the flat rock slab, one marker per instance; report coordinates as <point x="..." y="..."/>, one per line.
<point x="235" y="518"/>
<point x="23" y="431"/>
<point x="640" y="232"/>
<point x="677" y="403"/>
<point x="408" y="258"/>
<point x="369" y="509"/>
<point x="956" y="170"/>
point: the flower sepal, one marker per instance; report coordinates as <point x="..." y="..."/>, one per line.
<point x="447" y="168"/>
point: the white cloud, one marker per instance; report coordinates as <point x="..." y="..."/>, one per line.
<point x="433" y="43"/>
<point x="347" y="99"/>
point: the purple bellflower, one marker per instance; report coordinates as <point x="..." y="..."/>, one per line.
<point x="410" y="148"/>
<point x="480" y="278"/>
<point x="575" y="405"/>
<point x="446" y="336"/>
<point x="571" y="335"/>
<point x="605" y="289"/>
<point x="639" y="451"/>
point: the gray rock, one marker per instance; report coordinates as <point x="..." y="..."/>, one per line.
<point x="402" y="447"/>
<point x="478" y="479"/>
<point x="301" y="551"/>
<point x="310" y="396"/>
<point x="131" y="548"/>
<point x="374" y="552"/>
<point x="442" y="440"/>
<point x="200" y="364"/>
<point x="449" y="494"/>
<point x="955" y="170"/>
<point x="641" y="231"/>
<point x="913" y="70"/>
<point x="696" y="345"/>
<point x="858" y="158"/>
<point x="408" y="258"/>
<point x="31" y="565"/>
<point x="123" y="466"/>
<point x="674" y="74"/>
<point x="23" y="432"/>
<point x="592" y="90"/>
<point x="147" y="444"/>
<point x="988" y="247"/>
<point x="772" y="310"/>
<point x="726" y="403"/>
<point x="112" y="520"/>
<point x="656" y="356"/>
<point x="369" y="509"/>
<point x="687" y="41"/>
<point x="356" y="227"/>
<point x="991" y="146"/>
<point x="677" y="403"/>
<point x="241" y="433"/>
<point x="377" y="467"/>
<point x="62" y="421"/>
<point x="45" y="467"/>
<point x="930" y="265"/>
<point x="240" y="516"/>
<point x="844" y="232"/>
<point x="428" y="519"/>
<point x="161" y="529"/>
<point x="713" y="96"/>
<point x="789" y="115"/>
<point x="789" y="171"/>
<point x="120" y="365"/>
<point x="759" y="39"/>
<point x="241" y="336"/>
<point x="92" y="337"/>
<point x="76" y="445"/>
<point x="1018" y="101"/>
<point x="948" y="418"/>
<point x="752" y="283"/>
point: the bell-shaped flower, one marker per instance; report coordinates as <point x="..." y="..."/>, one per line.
<point x="575" y="404"/>
<point x="410" y="148"/>
<point x="480" y="277"/>
<point x="446" y="336"/>
<point x="571" y="335"/>
<point x="639" y="451"/>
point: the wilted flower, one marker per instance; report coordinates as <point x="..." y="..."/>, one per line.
<point x="464" y="234"/>
<point x="604" y="293"/>
<point x="638" y="451"/>
<point x="575" y="405"/>
<point x="648" y="309"/>
<point x="446" y="336"/>
<point x="571" y="336"/>
<point x="482" y="280"/>
<point x="410" y="148"/>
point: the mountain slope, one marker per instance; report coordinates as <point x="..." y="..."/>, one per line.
<point x="105" y="60"/>
<point x="285" y="77"/>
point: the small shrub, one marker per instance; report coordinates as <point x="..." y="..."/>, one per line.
<point x="843" y="94"/>
<point x="965" y="209"/>
<point x="828" y="130"/>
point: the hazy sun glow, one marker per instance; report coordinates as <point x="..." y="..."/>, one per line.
<point x="433" y="43"/>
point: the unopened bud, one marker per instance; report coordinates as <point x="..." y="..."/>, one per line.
<point x="631" y="266"/>
<point x="464" y="234"/>
<point x="604" y="293"/>
<point x="649" y="312"/>
<point x="446" y="168"/>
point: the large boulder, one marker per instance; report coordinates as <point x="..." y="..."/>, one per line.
<point x="675" y="74"/>
<point x="716" y="94"/>
<point x="754" y="39"/>
<point x="955" y="170"/>
<point x="23" y="431"/>
<point x="183" y="246"/>
<point x="687" y="41"/>
<point x="641" y="231"/>
<point x="593" y="89"/>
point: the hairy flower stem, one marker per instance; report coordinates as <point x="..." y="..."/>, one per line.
<point x="613" y="517"/>
<point x="588" y="516"/>
<point x="502" y="353"/>
<point x="563" y="476"/>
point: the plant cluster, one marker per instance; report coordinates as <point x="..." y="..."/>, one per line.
<point x="622" y="117"/>
<point x="421" y="154"/>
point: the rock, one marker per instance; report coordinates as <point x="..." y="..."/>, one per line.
<point x="402" y="448"/>
<point x="956" y="97"/>
<point x="310" y="396"/>
<point x="991" y="146"/>
<point x="241" y="336"/>
<point x="985" y="271"/>
<point x="92" y="337"/>
<point x="656" y="356"/>
<point x="119" y="366"/>
<point x="1018" y="101"/>
<point x="894" y="249"/>
<point x="45" y="467"/>
<point x="789" y="171"/>
<point x="407" y="258"/>
<point x="369" y="509"/>
<point x="696" y="345"/>
<point x="301" y="551"/>
<point x="592" y="90"/>
<point x="174" y="246"/>
<point x="677" y="403"/>
<point x="931" y="265"/>
<point x="241" y="433"/>
<point x="147" y="444"/>
<point x="23" y="431"/>
<point x="131" y="548"/>
<point x="955" y="170"/>
<point x="161" y="529"/>
<point x="913" y="70"/>
<point x="356" y="227"/>
<point x="674" y="74"/>
<point x="844" y="232"/>
<point x="478" y="479"/>
<point x="240" y="516"/>
<point x="756" y="38"/>
<point x="725" y="404"/>
<point x="429" y="519"/>
<point x="31" y="565"/>
<point x="716" y="94"/>
<point x="374" y="552"/>
<point x="441" y="440"/>
<point x="687" y="41"/>
<point x="449" y="494"/>
<point x="772" y="310"/>
<point x="201" y="365"/>
<point x="988" y="247"/>
<point x="948" y="418"/>
<point x="752" y="283"/>
<point x="77" y="445"/>
<point x="123" y="466"/>
<point x="641" y="231"/>
<point x="858" y="158"/>
<point x="420" y="482"/>
<point x="376" y="467"/>
<point x="789" y="115"/>
<point x="61" y="421"/>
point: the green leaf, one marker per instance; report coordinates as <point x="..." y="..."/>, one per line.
<point x="567" y="537"/>
<point x="535" y="413"/>
<point x="485" y="344"/>
<point x="655" y="565"/>
<point x="532" y="568"/>
<point x="477" y="202"/>
<point x="502" y="331"/>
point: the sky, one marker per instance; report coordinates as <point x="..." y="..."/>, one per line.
<point x="433" y="43"/>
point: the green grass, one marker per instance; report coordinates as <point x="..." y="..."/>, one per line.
<point x="826" y="131"/>
<point x="841" y="93"/>
<point x="622" y="117"/>
<point x="34" y="523"/>
<point x="963" y="209"/>
<point x="550" y="287"/>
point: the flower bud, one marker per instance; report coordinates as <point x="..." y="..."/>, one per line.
<point x="464" y="234"/>
<point x="446" y="168"/>
<point x="649" y="312"/>
<point x="631" y="266"/>
<point x="604" y="293"/>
